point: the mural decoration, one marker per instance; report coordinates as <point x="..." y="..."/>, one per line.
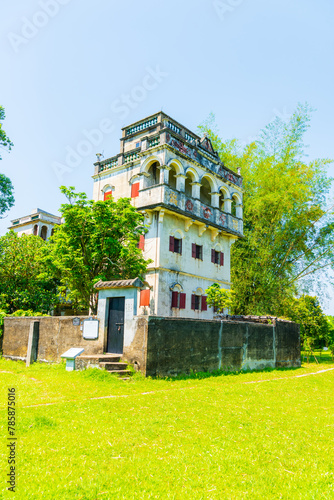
<point x="173" y="199"/>
<point x="223" y="219"/>
<point x="195" y="155"/>
<point x="189" y="205"/>
<point x="207" y="212"/>
<point x="235" y="225"/>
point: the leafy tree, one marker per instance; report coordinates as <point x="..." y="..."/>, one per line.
<point x="288" y="229"/>
<point x="98" y="240"/>
<point x="6" y="187"/>
<point x="314" y="326"/>
<point x="219" y="298"/>
<point x="24" y="279"/>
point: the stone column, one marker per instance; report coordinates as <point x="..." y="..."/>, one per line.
<point x="32" y="351"/>
<point x="180" y="182"/>
<point x="196" y="190"/>
<point x="227" y="205"/>
<point x="165" y="172"/>
<point x="239" y="210"/>
<point x="215" y="200"/>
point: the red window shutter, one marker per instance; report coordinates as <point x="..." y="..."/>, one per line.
<point x="180" y="246"/>
<point x="141" y="244"/>
<point x="171" y="243"/>
<point x="204" y="304"/>
<point x="144" y="298"/>
<point x="221" y="258"/>
<point x="182" y="300"/>
<point x="213" y="252"/>
<point x="135" y="190"/>
<point x="107" y="195"/>
<point x="174" y="298"/>
<point x="193" y="302"/>
<point x="193" y="250"/>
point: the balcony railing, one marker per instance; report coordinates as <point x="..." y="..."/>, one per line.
<point x="164" y="195"/>
<point x="154" y="142"/>
<point x="142" y="126"/>
<point x="109" y="163"/>
<point x="131" y="157"/>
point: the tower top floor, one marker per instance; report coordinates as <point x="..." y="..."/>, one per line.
<point x="166" y="168"/>
<point x="160" y="129"/>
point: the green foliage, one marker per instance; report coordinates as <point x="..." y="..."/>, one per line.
<point x="288" y="228"/>
<point x="330" y="336"/>
<point x="219" y="298"/>
<point x="98" y="241"/>
<point x="314" y="326"/>
<point x="24" y="279"/>
<point x="6" y="187"/>
<point x="28" y="312"/>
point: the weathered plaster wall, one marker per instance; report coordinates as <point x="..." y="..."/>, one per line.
<point x="177" y="346"/>
<point x="131" y="296"/>
<point x="57" y="334"/>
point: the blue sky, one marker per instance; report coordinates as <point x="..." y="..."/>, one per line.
<point x="68" y="65"/>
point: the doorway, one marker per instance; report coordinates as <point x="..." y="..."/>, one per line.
<point x="115" y="338"/>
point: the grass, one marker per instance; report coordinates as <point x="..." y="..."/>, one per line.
<point x="230" y="436"/>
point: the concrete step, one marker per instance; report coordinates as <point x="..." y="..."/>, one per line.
<point x="120" y="372"/>
<point x="108" y="365"/>
<point x="100" y="358"/>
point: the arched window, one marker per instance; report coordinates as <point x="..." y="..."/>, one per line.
<point x="35" y="232"/>
<point x="154" y="175"/>
<point x="205" y="191"/>
<point x="188" y="181"/>
<point x="234" y="206"/>
<point x="172" y="178"/>
<point x="44" y="231"/>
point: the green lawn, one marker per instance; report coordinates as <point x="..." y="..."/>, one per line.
<point x="87" y="435"/>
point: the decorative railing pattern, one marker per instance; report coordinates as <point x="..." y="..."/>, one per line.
<point x="190" y="138"/>
<point x="172" y="127"/>
<point x="154" y="142"/>
<point x="191" y="207"/>
<point x="142" y="126"/>
<point x="110" y="163"/>
<point x="131" y="157"/>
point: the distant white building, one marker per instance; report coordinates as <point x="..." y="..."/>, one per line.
<point x="192" y="204"/>
<point x="39" y="223"/>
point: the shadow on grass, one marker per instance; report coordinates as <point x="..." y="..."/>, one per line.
<point x="221" y="373"/>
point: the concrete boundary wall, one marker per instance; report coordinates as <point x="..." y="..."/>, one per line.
<point x="177" y="345"/>
<point x="164" y="346"/>
<point x="57" y="334"/>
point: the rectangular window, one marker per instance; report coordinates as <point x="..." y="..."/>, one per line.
<point x="175" y="245"/>
<point x="135" y="190"/>
<point x="197" y="251"/>
<point x="144" y="298"/>
<point x="179" y="300"/>
<point x="217" y="257"/>
<point x="195" y="302"/>
<point x="198" y="302"/>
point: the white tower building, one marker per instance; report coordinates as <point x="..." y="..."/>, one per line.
<point x="193" y="207"/>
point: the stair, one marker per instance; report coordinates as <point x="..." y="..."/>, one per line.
<point x="109" y="362"/>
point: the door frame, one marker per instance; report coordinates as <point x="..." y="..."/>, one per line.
<point x="108" y="310"/>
